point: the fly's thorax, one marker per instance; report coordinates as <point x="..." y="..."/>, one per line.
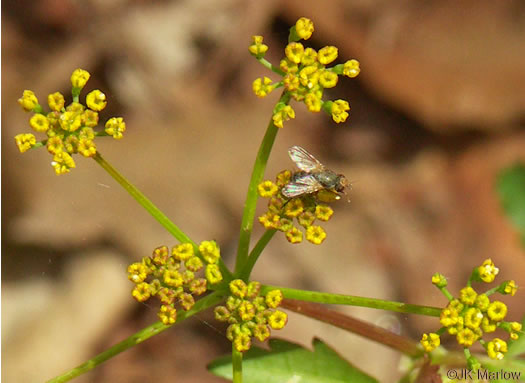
<point x="328" y="179"/>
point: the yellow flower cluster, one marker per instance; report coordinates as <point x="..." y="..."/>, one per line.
<point x="472" y="315"/>
<point x="250" y="314"/>
<point x="171" y="276"/>
<point x="305" y="74"/>
<point x="69" y="129"/>
<point x="304" y="209"/>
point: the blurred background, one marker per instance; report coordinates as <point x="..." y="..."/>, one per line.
<point x="437" y="112"/>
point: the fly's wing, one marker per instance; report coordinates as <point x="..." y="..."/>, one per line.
<point x="305" y="184"/>
<point x="304" y="160"/>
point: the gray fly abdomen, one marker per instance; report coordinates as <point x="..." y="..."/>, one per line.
<point x="328" y="179"/>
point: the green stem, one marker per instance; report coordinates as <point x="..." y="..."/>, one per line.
<point x="236" y="365"/>
<point x="339" y="299"/>
<point x="251" y="197"/>
<point x="152" y="209"/>
<point x="254" y="254"/>
<point x="137" y="338"/>
<point x="270" y="66"/>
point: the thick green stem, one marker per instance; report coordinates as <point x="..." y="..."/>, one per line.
<point x="152" y="209"/>
<point x="251" y="198"/>
<point x="254" y="254"/>
<point x="339" y="299"/>
<point x="236" y="365"/>
<point x="137" y="338"/>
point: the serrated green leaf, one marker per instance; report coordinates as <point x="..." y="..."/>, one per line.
<point x="289" y="362"/>
<point x="511" y="190"/>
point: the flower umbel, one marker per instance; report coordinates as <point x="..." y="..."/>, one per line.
<point x="305" y="73"/>
<point x="170" y="276"/>
<point x="69" y="129"/>
<point x="250" y="314"/>
<point x="472" y="315"/>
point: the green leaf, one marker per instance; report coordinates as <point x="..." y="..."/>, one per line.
<point x="511" y="189"/>
<point x="289" y="362"/>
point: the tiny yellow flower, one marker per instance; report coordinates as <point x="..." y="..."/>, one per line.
<point x="294" y="235"/>
<point x="167" y="314"/>
<point x="137" y="272"/>
<point x="238" y="288"/>
<point x="468" y="295"/>
<point x="315" y="234"/>
<point x="172" y="278"/>
<point x="53" y="117"/>
<point x="351" y="68"/>
<point x="54" y="145"/>
<point x="76" y="107"/>
<point x="187" y="301"/>
<point x="323" y="212"/>
<point x="242" y="342"/>
<point x="309" y="76"/>
<point x="510" y="288"/>
<point x="306" y="219"/>
<point x="28" y="101"/>
<point x="487" y="325"/>
<point x="25" y="141"/>
<point x="222" y="314"/>
<point x="71" y="144"/>
<point x="285" y="224"/>
<point x="246" y="311"/>
<point x="160" y="255"/>
<point x="213" y="274"/>
<point x="430" y="341"/>
<point x="288" y="66"/>
<point x="294" y="52"/>
<point x="275" y="205"/>
<point x="210" y="251"/>
<point x="339" y="110"/>
<point x="277" y="320"/>
<point x="79" y="78"/>
<point x="309" y="57"/>
<point x="488" y="271"/>
<point x="262" y="86"/>
<point x="141" y="292"/>
<point x="313" y="102"/>
<point x="96" y="100"/>
<point x="87" y="148"/>
<point x="39" y="123"/>
<point x="86" y="133"/>
<point x="62" y="163"/>
<point x="448" y="317"/>
<point x="267" y="189"/>
<point x="198" y="286"/>
<point x="473" y="318"/>
<point x="56" y="101"/>
<point x="439" y="280"/>
<point x="328" y="79"/>
<point x="70" y="121"/>
<point x="482" y="302"/>
<point x="90" y="118"/>
<point x="257" y="48"/>
<point x="269" y="220"/>
<point x="497" y="311"/>
<point x="115" y="126"/>
<point x="516" y="326"/>
<point x="497" y="348"/>
<point x="327" y="54"/>
<point x="274" y="298"/>
<point x="466" y="337"/>
<point x="291" y="82"/>
<point x="283" y="178"/>
<point x="285" y="114"/>
<point x="183" y="252"/>
<point x="261" y="332"/>
<point x="194" y="264"/>
<point x="294" y="207"/>
<point x="304" y="28"/>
